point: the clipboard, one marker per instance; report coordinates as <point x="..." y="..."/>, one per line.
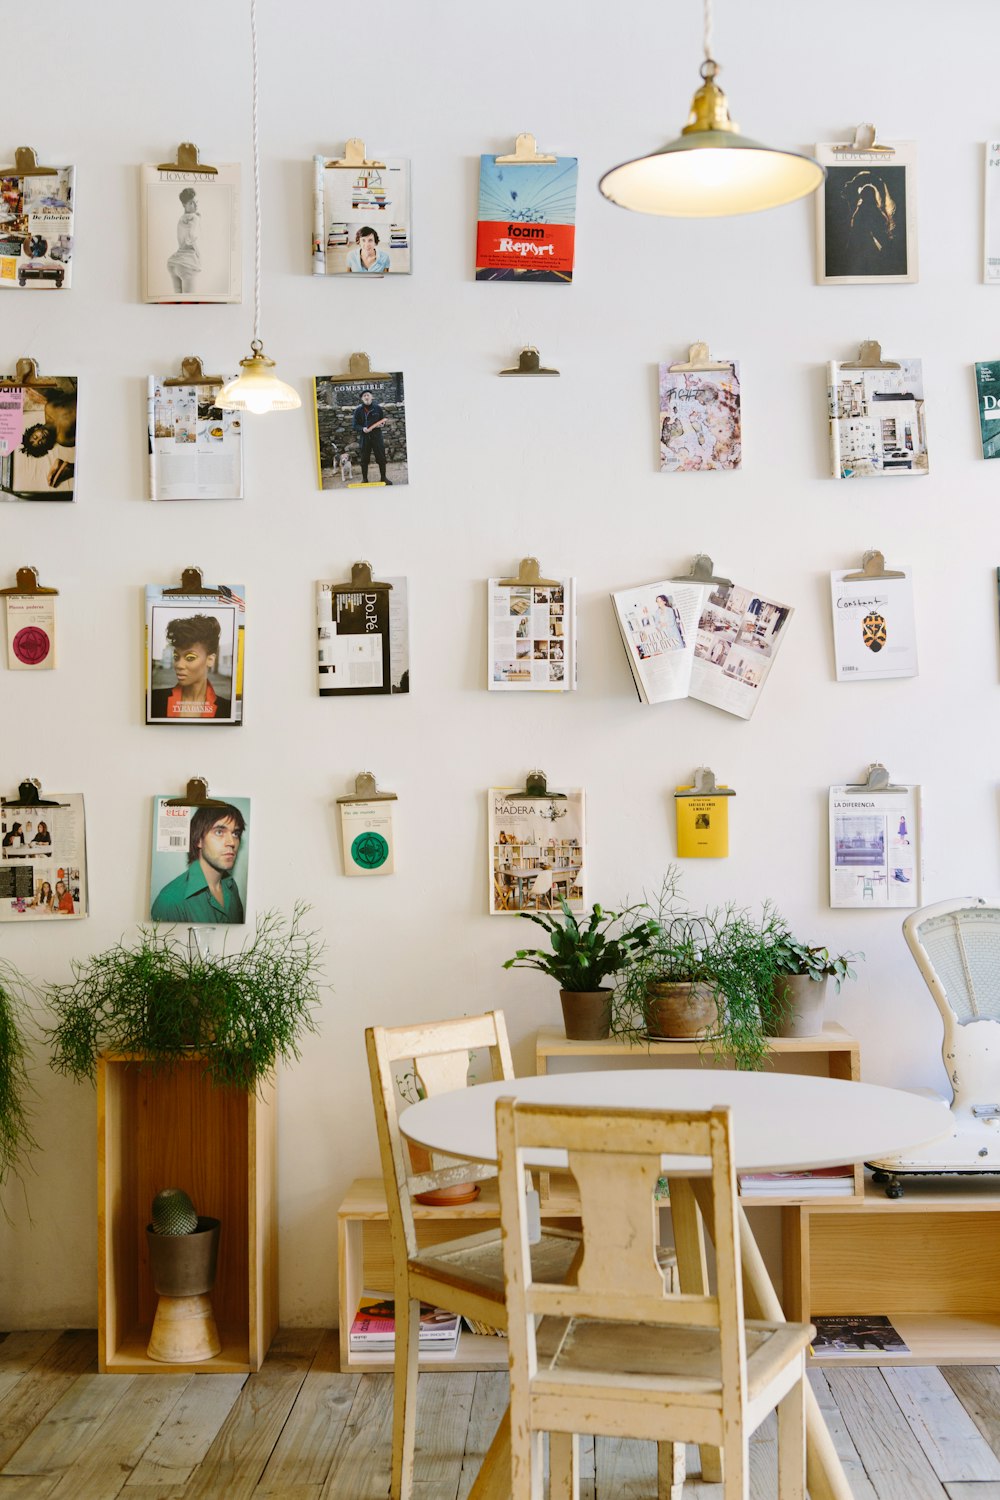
<point x="528" y="576"/>
<point x="869" y="358"/>
<point x="26" y="374"/>
<point x="704" y="785"/>
<point x="702" y="816"/>
<point x="366" y="825"/>
<point x="701" y="572"/>
<point x="525" y="153"/>
<point x="366" y="790"/>
<point x="27" y="583"/>
<point x="195" y="796"/>
<point x="192" y="373"/>
<point x="536" y="790"/>
<point x="528" y="364"/>
<point x="354" y="158"/>
<point x="31" y="623"/>
<point x="191" y="583"/>
<point x="864" y="144"/>
<point x="187" y="161"/>
<point x="361" y="582"/>
<point x="877" y="783"/>
<point x="29" y="795"/>
<point x="699" y="359"/>
<point x="872" y="569"/>
<point x="26" y="164"/>
<point x="358" y="368"/>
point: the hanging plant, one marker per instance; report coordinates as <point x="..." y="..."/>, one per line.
<point x="16" y="1139"/>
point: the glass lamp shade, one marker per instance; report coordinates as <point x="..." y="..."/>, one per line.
<point x="711" y="169"/>
<point x="258" y="390"/>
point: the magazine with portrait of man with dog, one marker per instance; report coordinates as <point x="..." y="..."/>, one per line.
<point x="194" y="655"/>
<point x="199" y="863"/>
<point x="38" y="438"/>
<point x="360" y="431"/>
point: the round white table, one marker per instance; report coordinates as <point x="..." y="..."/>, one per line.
<point x="781" y="1122"/>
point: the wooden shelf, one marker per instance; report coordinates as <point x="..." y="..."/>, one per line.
<point x="365" y="1258"/>
<point x="169" y="1127"/>
<point x="929" y="1262"/>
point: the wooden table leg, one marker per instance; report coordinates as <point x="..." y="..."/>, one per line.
<point x="689" y="1242"/>
<point x="825" y="1475"/>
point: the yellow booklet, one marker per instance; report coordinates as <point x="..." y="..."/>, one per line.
<point x="702" y="825"/>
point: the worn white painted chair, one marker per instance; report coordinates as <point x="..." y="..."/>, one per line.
<point x="463" y="1275"/>
<point x="956" y="945"/>
<point x="634" y="1358"/>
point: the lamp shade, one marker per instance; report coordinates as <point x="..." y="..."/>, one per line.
<point x="258" y="389"/>
<point x="711" y="169"/>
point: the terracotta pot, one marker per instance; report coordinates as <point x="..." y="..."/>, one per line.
<point x="801" y="1002"/>
<point x="586" y="1014"/>
<point x="685" y="1012"/>
<point x="183" y="1265"/>
<point x="440" y="1197"/>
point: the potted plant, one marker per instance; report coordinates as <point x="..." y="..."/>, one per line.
<point x="15" y="1128"/>
<point x="802" y="975"/>
<point x="702" y="977"/>
<point x="161" y="997"/>
<point x="582" y="957"/>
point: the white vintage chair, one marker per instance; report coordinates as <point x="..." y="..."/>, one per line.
<point x="465" y="1275"/>
<point x="957" y="948"/>
<point x="636" y="1359"/>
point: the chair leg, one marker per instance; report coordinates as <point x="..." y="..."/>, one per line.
<point x="564" y="1466"/>
<point x="792" y="1442"/>
<point x="671" y="1469"/>
<point x="527" y="1473"/>
<point x="736" y="1465"/>
<point x="404" y="1395"/>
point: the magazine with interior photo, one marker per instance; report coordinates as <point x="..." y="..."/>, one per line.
<point x="38" y="438"/>
<point x="991" y="246"/>
<point x="657" y="623"/>
<point x="988" y="403"/>
<point x="536" y="851"/>
<point x="527" y="220"/>
<point x="36" y="229"/>
<point x="844" y="1336"/>
<point x="739" y="635"/>
<point x="531" y="645"/>
<point x="198" y="869"/>
<point x="31" y="631"/>
<point x="875" y="847"/>
<point x="194" y="655"/>
<point x="877" y="421"/>
<point x="874" y="626"/>
<point x="361" y="218"/>
<point x="43" y="858"/>
<point x="360" y="431"/>
<point x="195" y="448"/>
<point x="367" y="832"/>
<point x="374" y="1324"/>
<point x="700" y="422"/>
<point x="191" y="239"/>
<point x="363" y="638"/>
<point x="866" y="215"/>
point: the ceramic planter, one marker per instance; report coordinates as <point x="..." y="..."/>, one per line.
<point x="801" y="1002"/>
<point x="586" y="1014"/>
<point x="183" y="1265"/>
<point x="682" y="1012"/>
<point x="440" y="1197"/>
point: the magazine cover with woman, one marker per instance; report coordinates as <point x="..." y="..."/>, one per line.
<point x="194" y="655"/>
<point x="191" y="235"/>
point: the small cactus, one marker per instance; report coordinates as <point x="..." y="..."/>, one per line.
<point x="173" y="1213"/>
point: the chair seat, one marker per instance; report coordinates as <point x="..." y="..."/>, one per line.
<point x="475" y="1263"/>
<point x="665" y="1357"/>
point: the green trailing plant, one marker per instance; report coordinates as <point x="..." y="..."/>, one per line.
<point x="726" y="948"/>
<point x="162" y="997"/>
<point x="582" y="957"/>
<point x="16" y="1139"/>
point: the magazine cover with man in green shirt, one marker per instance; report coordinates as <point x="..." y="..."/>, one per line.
<point x="199" y="861"/>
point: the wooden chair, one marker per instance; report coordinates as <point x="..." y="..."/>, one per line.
<point x="502" y="887"/>
<point x="463" y="1275"/>
<point x="634" y="1358"/>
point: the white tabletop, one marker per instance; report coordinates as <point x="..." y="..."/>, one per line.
<point x="781" y="1121"/>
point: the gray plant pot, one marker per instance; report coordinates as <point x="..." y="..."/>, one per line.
<point x="183" y="1265"/>
<point x="802" y="1002"/>
<point x="586" y="1014"/>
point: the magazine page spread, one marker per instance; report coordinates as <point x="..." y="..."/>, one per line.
<point x="739" y="635"/>
<point x="360" y="431"/>
<point x="363" y="639"/>
<point x="700" y="424"/>
<point x="527" y="220"/>
<point x="874" y="627"/>
<point x="536" y="851"/>
<point x="361" y="218"/>
<point x="198" y="869"/>
<point x="191" y="238"/>
<point x="877" y="424"/>
<point x="875" y="847"/>
<point x="36" y="230"/>
<point x="532" y="637"/>
<point x="194" y="655"/>
<point x="43" y="859"/>
<point x="195" y="448"/>
<point x="31" y="632"/>
<point x="38" y="439"/>
<point x="658" y="622"/>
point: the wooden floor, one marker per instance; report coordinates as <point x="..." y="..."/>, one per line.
<point x="300" y="1429"/>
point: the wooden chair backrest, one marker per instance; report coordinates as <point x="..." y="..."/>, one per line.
<point x="615" y="1158"/>
<point x="439" y="1053"/>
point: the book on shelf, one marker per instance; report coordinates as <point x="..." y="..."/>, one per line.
<point x="819" y="1182"/>
<point x="843" y="1337"/>
<point x="487" y="1330"/>
<point x="374" y="1328"/>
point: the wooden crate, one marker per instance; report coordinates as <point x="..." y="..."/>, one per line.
<point x="157" y="1128"/>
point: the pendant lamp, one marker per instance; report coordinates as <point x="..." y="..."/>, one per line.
<point x="711" y="169"/>
<point x="258" y="389"/>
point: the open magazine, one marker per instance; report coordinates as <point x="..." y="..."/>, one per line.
<point x="715" y="642"/>
<point x="195" y="448"/>
<point x="43" y="859"/>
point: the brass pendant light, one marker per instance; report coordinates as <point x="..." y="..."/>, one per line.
<point x="711" y="169"/>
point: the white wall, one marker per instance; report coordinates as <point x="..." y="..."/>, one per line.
<point x="499" y="469"/>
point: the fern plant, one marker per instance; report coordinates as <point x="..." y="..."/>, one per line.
<point x="582" y="957"/>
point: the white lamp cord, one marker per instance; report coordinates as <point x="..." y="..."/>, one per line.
<point x="256" y="176"/>
<point x="708" y="29"/>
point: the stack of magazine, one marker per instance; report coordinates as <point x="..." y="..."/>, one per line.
<point x="817" y="1182"/>
<point x="374" y="1329"/>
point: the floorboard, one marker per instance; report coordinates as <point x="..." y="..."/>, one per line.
<point x="69" y="1356"/>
